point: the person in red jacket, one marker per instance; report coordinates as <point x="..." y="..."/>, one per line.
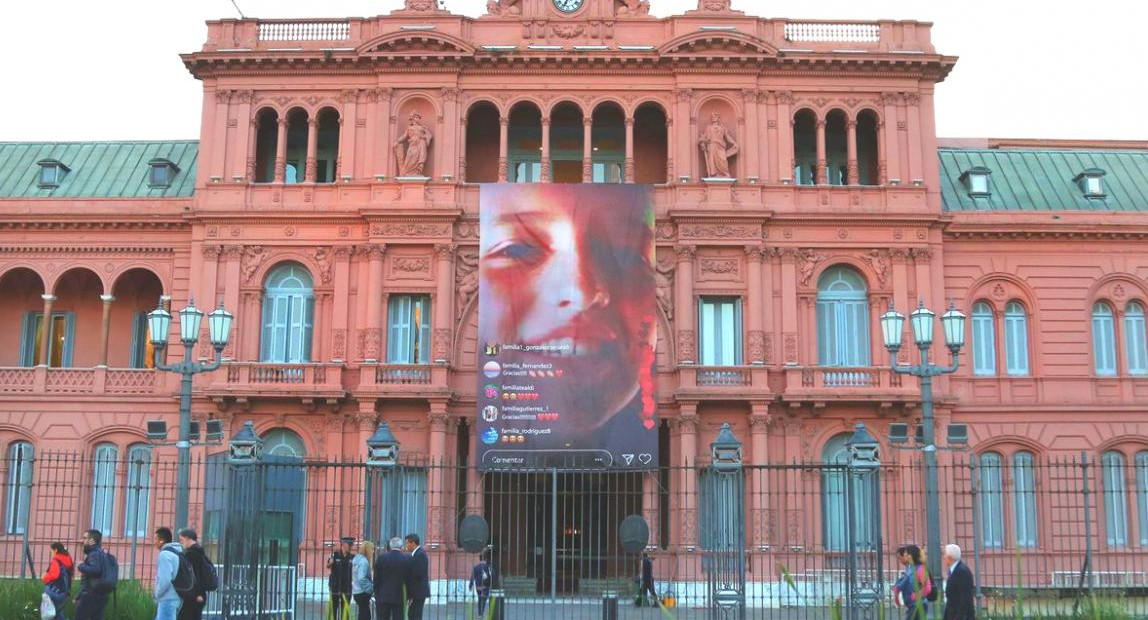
<point x="58" y="578"/>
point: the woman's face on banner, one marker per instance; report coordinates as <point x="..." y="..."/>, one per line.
<point x="577" y="282"/>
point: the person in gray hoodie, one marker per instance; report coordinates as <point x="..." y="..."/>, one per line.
<point x="166" y="597"/>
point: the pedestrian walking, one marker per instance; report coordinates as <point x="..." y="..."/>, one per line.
<point x="960" y="602"/>
<point x="914" y="588"/>
<point x="195" y="601"/>
<point x="390" y="578"/>
<point x="362" y="586"/>
<point x="481" y="580"/>
<point x="339" y="581"/>
<point x="646" y="584"/>
<point x="418" y="578"/>
<point x="58" y="578"/>
<point x="167" y="599"/>
<point x="94" y="588"/>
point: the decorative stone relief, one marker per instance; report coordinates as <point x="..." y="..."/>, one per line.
<point x="879" y="263"/>
<point x="465" y="279"/>
<point x="440" y="347"/>
<point x="411" y="264"/>
<point x="664" y="277"/>
<point x="686" y="346"/>
<point x="809" y="258"/>
<point x="756" y="346"/>
<point x="253" y="257"/>
<point x="322" y="258"/>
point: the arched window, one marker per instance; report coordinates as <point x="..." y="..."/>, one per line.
<point x="288" y="306"/>
<point x="842" y="319"/>
<point x="296" y="146"/>
<point x="845" y="500"/>
<point x="137" y="497"/>
<point x="482" y="143"/>
<point x="1135" y="346"/>
<point x="1115" y="498"/>
<point x="283" y="507"/>
<point x="524" y="144"/>
<point x="266" y="145"/>
<point x="868" y="163"/>
<point x="607" y="144"/>
<point x="1103" y="339"/>
<point x="984" y="340"/>
<point x="1024" y="498"/>
<point x="836" y="147"/>
<point x="992" y="511"/>
<point x="104" y="487"/>
<point x="283" y="443"/>
<point x="1016" y="339"/>
<point x="1142" y="495"/>
<point x="805" y="148"/>
<point x="18" y="495"/>
<point x="327" y="146"/>
<point x="651" y="144"/>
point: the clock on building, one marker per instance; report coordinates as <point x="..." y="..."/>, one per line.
<point x="567" y="6"/>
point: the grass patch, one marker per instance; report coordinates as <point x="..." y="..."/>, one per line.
<point x="20" y="600"/>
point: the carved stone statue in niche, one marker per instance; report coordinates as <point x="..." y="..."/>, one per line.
<point x="664" y="277"/>
<point x="632" y="7"/>
<point x="718" y="146"/>
<point x="418" y="138"/>
<point x="506" y="8"/>
<point x="466" y="278"/>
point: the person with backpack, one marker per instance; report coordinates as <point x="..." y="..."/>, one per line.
<point x="206" y="579"/>
<point x="914" y="588"/>
<point x="171" y="569"/>
<point x="58" y="578"/>
<point x="481" y="580"/>
<point x="99" y="573"/>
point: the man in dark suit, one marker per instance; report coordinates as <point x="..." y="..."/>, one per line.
<point x="418" y="578"/>
<point x="959" y="595"/>
<point x="391" y="569"/>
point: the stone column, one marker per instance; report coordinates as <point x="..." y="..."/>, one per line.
<point x="587" y="149"/>
<point x="750" y="140"/>
<point x="545" y="174"/>
<point x="851" y="152"/>
<point x="916" y="140"/>
<point x="383" y="148"/>
<point x="629" y="163"/>
<point x="688" y="439"/>
<point x="462" y="149"/>
<point x="252" y="148"/>
<point x="822" y="174"/>
<point x="341" y="307"/>
<point x="759" y="492"/>
<point x="789" y="305"/>
<point x="238" y="150"/>
<point x="890" y="152"/>
<point x="46" y="327"/>
<point x="312" y="147"/>
<point x="281" y="151"/>
<point x="105" y="327"/>
<point x="684" y="305"/>
<point x="444" y="303"/>
<point x="232" y="255"/>
<point x="784" y="158"/>
<point x="374" y="332"/>
<point x="250" y="310"/>
<point x="754" y="308"/>
<point x="348" y="128"/>
<point x="503" y="148"/>
<point x="437" y="479"/>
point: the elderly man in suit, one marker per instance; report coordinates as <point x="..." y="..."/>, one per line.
<point x="418" y="578"/>
<point x="959" y="595"/>
<point x="391" y="569"/>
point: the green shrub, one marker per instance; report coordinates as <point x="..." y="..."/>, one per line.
<point x="20" y="600"/>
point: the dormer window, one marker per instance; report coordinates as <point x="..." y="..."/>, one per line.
<point x="1091" y="182"/>
<point x="52" y="173"/>
<point x="976" y="181"/>
<point x="161" y="173"/>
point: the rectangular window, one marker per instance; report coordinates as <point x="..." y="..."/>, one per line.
<point x="1016" y="343"/>
<point x="409" y="331"/>
<point x="287" y="328"/>
<point x="18" y="498"/>
<point x="143" y="355"/>
<point x="50" y="175"/>
<point x="984" y="345"/>
<point x="1115" y="499"/>
<point x="1136" y="348"/>
<point x="1142" y="496"/>
<point x="160" y="176"/>
<point x="403" y="500"/>
<point x="606" y="172"/>
<point x="719" y="330"/>
<point x="848" y="498"/>
<point x="720" y="506"/>
<point x="992" y="511"/>
<point x="1024" y="499"/>
<point x="843" y="333"/>
<point x="1104" y="343"/>
<point x="137" y="498"/>
<point x="527" y="172"/>
<point x="104" y="489"/>
<point x="60" y="336"/>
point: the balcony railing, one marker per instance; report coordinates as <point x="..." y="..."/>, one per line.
<point x="832" y="32"/>
<point x="745" y="381"/>
<point x="402" y="378"/>
<point x="87" y="381"/>
<point x="835" y="383"/>
<point x="288" y="380"/>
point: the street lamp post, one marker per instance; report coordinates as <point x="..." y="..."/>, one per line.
<point x="892" y="326"/>
<point x="382" y="458"/>
<point x="219" y="327"/>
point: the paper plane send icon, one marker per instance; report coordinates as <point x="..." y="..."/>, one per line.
<point x="629" y="458"/>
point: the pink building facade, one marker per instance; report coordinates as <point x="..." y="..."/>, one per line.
<point x="353" y="278"/>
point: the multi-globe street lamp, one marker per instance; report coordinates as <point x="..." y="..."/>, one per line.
<point x="892" y="329"/>
<point x="219" y="329"/>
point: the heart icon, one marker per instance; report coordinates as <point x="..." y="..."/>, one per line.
<point x="645" y="458"/>
<point x="559" y="372"/>
<point x="648" y="424"/>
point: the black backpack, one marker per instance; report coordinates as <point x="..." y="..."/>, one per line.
<point x="184" y="578"/>
<point x="210" y="575"/>
<point x="105" y="583"/>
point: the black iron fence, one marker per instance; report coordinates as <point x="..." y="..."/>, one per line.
<point x="763" y="541"/>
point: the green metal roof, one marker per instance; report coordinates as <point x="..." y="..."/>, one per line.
<point x="96" y="169"/>
<point x="1042" y="179"/>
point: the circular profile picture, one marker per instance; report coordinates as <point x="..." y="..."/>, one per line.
<point x="490" y="436"/>
<point x="490" y="413"/>
<point x="491" y="369"/>
<point x="490" y="390"/>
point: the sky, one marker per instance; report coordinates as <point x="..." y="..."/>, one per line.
<point x="110" y="70"/>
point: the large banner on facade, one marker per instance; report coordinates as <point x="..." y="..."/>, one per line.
<point x="566" y="327"/>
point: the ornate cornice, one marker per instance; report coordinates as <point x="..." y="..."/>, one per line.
<point x="71" y="249"/>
